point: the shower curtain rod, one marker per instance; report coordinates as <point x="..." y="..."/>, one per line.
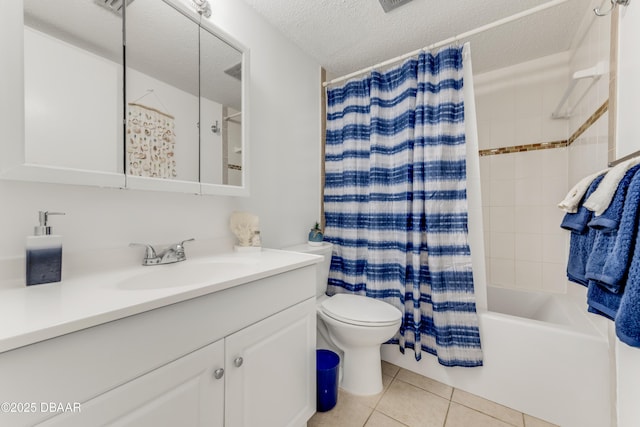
<point x="450" y="40"/>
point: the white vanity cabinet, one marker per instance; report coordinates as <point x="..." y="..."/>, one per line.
<point x="241" y="357"/>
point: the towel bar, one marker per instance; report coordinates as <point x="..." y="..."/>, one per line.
<point x="594" y="73"/>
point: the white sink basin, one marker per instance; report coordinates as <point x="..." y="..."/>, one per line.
<point x="187" y="273"/>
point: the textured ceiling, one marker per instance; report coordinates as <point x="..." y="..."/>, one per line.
<point x="347" y="35"/>
<point x="342" y="35"/>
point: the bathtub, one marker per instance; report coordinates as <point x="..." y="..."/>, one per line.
<point x="557" y="311"/>
<point x="544" y="355"/>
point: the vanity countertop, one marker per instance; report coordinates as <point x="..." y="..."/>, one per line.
<point x="36" y="313"/>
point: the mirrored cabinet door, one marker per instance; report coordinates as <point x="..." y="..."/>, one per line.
<point x="73" y="86"/>
<point x="221" y="149"/>
<point x="162" y="106"/>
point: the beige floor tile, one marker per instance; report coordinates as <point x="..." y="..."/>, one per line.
<point x="425" y="383"/>
<point x="378" y="419"/>
<point x="488" y="407"/>
<point x="413" y="406"/>
<point x="371" y="401"/>
<point x="461" y="416"/>
<point x="530" y="421"/>
<point x="348" y="412"/>
<point x="389" y="369"/>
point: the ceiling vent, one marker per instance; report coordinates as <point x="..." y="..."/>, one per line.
<point x="114" y="6"/>
<point x="389" y="5"/>
<point x="235" y="71"/>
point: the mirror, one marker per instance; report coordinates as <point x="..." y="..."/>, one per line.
<point x="220" y="111"/>
<point x="162" y="108"/>
<point x="73" y="85"/>
<point x="178" y="72"/>
<point x="180" y="93"/>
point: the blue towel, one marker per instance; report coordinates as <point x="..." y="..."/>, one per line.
<point x="608" y="229"/>
<point x="617" y="262"/>
<point x="605" y="289"/>
<point x="628" y="318"/>
<point x="577" y="222"/>
<point x="610" y="218"/>
<point x="582" y="238"/>
<point x="601" y="301"/>
<point x="598" y="312"/>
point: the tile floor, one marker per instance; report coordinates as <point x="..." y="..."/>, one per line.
<point x="409" y="399"/>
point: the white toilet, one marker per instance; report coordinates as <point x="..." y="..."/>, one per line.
<point x="356" y="324"/>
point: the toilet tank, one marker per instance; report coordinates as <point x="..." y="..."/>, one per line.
<point x="322" y="270"/>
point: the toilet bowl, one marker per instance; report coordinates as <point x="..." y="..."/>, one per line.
<point x="357" y="325"/>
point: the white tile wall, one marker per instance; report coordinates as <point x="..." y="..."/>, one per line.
<point x="514" y="104"/>
<point x="529" y="219"/>
<point x="524" y="243"/>
<point x="503" y="245"/>
<point x="529" y="247"/>
<point x="502" y="219"/>
<point x="525" y="246"/>
<point x="502" y="272"/>
<point x="529" y="275"/>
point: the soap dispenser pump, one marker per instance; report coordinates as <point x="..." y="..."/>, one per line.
<point x="44" y="253"/>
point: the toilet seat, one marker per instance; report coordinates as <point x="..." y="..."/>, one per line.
<point x="360" y="310"/>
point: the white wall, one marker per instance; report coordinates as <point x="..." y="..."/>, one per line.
<point x="525" y="247"/>
<point x="284" y="178"/>
<point x="628" y="389"/>
<point x="285" y="131"/>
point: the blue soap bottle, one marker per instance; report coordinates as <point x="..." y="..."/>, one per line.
<point x="44" y="253"/>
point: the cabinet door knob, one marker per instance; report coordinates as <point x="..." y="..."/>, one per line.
<point x="237" y="362"/>
<point x="218" y="373"/>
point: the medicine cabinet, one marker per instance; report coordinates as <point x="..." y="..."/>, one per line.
<point x="139" y="94"/>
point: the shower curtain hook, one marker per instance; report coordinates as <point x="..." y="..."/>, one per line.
<point x="614" y="3"/>
<point x="456" y="41"/>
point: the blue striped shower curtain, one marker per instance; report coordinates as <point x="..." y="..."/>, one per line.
<point x="396" y="204"/>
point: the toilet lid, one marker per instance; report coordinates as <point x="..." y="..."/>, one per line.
<point x="360" y="310"/>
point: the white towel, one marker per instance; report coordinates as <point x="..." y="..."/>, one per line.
<point x="599" y="201"/>
<point x="572" y="200"/>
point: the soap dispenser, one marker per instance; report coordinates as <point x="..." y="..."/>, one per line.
<point x="44" y="253"/>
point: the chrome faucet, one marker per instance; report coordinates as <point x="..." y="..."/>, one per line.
<point x="174" y="253"/>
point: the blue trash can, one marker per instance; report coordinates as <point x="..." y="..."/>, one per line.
<point x="327" y="363"/>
